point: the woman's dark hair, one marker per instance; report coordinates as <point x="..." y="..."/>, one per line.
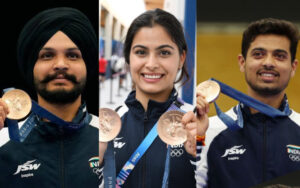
<point x="271" y="26"/>
<point x="172" y="26"/>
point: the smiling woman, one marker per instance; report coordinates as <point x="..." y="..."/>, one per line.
<point x="154" y="64"/>
<point x="155" y="49"/>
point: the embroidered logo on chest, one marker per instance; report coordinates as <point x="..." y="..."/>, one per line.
<point x="94" y="165"/>
<point x="118" y="144"/>
<point x="177" y="150"/>
<point x="293" y="152"/>
<point x="27" y="169"/>
<point x="234" y="153"/>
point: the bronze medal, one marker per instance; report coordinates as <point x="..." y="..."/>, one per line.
<point x="170" y="129"/>
<point x="18" y="102"/>
<point x="209" y="89"/>
<point x="110" y="124"/>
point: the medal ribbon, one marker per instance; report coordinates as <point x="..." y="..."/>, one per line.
<point x="165" y="183"/>
<point x="135" y="157"/>
<point x="109" y="172"/>
<point x="249" y="101"/>
<point x="20" y="135"/>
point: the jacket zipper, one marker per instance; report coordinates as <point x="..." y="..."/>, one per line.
<point x="264" y="148"/>
<point x="62" y="159"/>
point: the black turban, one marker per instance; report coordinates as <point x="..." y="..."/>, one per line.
<point x="44" y="25"/>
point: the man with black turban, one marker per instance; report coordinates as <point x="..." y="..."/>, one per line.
<point x="57" y="54"/>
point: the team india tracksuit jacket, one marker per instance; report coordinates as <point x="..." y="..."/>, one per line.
<point x="263" y="149"/>
<point x="148" y="173"/>
<point x="51" y="156"/>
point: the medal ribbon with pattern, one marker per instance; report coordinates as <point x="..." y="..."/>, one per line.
<point x="20" y="105"/>
<point x="249" y="101"/>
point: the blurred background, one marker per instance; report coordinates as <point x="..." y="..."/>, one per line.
<point x="115" y="19"/>
<point x="219" y="34"/>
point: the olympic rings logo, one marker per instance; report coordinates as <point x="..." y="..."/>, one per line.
<point x="176" y="152"/>
<point x="294" y="157"/>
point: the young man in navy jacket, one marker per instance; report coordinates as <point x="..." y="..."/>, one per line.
<point x="265" y="147"/>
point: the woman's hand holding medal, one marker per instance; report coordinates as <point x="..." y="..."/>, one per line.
<point x="175" y="127"/>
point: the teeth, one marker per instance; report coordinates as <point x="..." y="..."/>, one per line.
<point x="152" y="76"/>
<point x="267" y="74"/>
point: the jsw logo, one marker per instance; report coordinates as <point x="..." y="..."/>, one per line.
<point x="234" y="150"/>
<point x="118" y="144"/>
<point x="27" y="166"/>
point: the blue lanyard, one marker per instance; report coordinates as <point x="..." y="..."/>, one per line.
<point x="249" y="101"/>
<point x="20" y="135"/>
<point x="136" y="156"/>
<point x="109" y="172"/>
<point x="165" y="183"/>
<point x="134" y="159"/>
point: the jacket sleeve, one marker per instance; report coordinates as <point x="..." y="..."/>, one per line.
<point x="216" y="126"/>
<point x="201" y="166"/>
<point x="4" y="136"/>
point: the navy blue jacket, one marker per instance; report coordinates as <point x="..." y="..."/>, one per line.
<point x="263" y="149"/>
<point x="148" y="173"/>
<point x="52" y="157"/>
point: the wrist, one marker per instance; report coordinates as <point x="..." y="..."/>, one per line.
<point x="201" y="140"/>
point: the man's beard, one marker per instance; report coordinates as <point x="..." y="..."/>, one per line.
<point x="265" y="90"/>
<point x="60" y="96"/>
